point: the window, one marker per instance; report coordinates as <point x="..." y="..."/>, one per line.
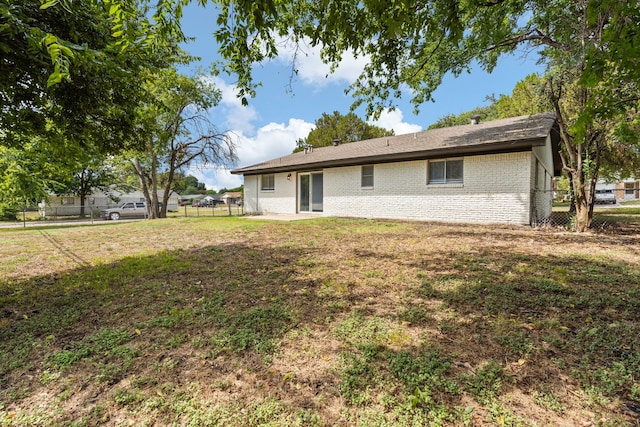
<point x="268" y="182"/>
<point x="367" y="176"/>
<point x="629" y="188"/>
<point x="445" y="172"/>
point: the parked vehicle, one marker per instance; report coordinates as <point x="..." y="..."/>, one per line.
<point x="126" y="210"/>
<point x="605" y="196"/>
<point x="208" y="203"/>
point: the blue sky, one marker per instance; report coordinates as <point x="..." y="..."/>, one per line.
<point x="283" y="112"/>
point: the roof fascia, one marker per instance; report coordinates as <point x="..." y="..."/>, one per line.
<point x="490" y="148"/>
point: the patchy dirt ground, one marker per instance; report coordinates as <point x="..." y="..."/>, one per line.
<point x="319" y="322"/>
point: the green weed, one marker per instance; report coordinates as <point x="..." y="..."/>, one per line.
<point x="360" y="375"/>
<point x="416" y="316"/>
<point x="546" y="398"/>
<point x="358" y="329"/>
<point x="425" y="369"/>
<point x="127" y="397"/>
<point x="486" y="384"/>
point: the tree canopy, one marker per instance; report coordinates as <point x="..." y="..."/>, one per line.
<point x="178" y="134"/>
<point x="486" y="113"/>
<point x="338" y="128"/>
<point x="76" y="67"/>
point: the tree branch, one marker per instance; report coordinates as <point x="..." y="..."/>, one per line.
<point x="533" y="35"/>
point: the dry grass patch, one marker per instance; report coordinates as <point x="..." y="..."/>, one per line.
<point x="211" y="321"/>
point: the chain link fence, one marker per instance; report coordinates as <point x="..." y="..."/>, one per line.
<point x="615" y="209"/>
<point x="39" y="215"/>
<point x="232" y="209"/>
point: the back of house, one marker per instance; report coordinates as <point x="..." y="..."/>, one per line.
<point x="493" y="172"/>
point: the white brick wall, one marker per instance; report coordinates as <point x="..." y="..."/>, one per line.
<point x="281" y="200"/>
<point x="496" y="189"/>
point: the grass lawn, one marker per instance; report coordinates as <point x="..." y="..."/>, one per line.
<point x="325" y="322"/>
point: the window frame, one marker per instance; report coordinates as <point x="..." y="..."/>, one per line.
<point x="268" y="182"/>
<point x="445" y="180"/>
<point x="365" y="177"/>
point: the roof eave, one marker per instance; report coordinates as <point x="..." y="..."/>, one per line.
<point x="490" y="148"/>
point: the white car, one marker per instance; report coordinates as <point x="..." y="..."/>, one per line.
<point x="126" y="210"/>
<point x="605" y="196"/>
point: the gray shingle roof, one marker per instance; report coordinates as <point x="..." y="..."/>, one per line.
<point x="505" y="135"/>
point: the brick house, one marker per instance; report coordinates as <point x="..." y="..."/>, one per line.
<point x="493" y="172"/>
<point x="628" y="189"/>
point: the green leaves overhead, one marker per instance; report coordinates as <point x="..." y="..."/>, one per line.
<point x="342" y="129"/>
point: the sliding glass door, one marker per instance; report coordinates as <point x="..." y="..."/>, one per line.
<point x="310" y="192"/>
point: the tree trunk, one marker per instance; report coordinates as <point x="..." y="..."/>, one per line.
<point x="153" y="206"/>
<point x="583" y="215"/>
<point x="169" y="183"/>
<point x="572" y="197"/>
<point x="143" y="182"/>
<point x="580" y="156"/>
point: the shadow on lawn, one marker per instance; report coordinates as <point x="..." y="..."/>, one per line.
<point x="217" y="315"/>
<point x="556" y="319"/>
<point x="174" y="317"/>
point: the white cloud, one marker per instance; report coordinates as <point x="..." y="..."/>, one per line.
<point x="313" y="71"/>
<point x="270" y="141"/>
<point x="236" y="116"/>
<point x="394" y="120"/>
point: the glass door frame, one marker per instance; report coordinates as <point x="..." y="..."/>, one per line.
<point x="308" y="198"/>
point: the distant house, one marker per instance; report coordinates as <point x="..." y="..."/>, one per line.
<point x="493" y="172"/>
<point x="624" y="189"/>
<point x="70" y="205"/>
<point x="231" y="198"/>
<point x="190" y="198"/>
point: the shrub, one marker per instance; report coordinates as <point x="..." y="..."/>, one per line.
<point x="8" y="213"/>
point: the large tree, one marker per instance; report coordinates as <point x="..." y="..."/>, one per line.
<point x="183" y="184"/>
<point x="23" y="179"/>
<point x="76" y="67"/>
<point x="178" y="134"/>
<point x="590" y="48"/>
<point x="337" y="128"/>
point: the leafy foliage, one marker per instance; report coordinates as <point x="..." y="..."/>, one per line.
<point x="22" y="181"/>
<point x="184" y="184"/>
<point x="63" y="68"/>
<point x="487" y="113"/>
<point x="338" y="128"/>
